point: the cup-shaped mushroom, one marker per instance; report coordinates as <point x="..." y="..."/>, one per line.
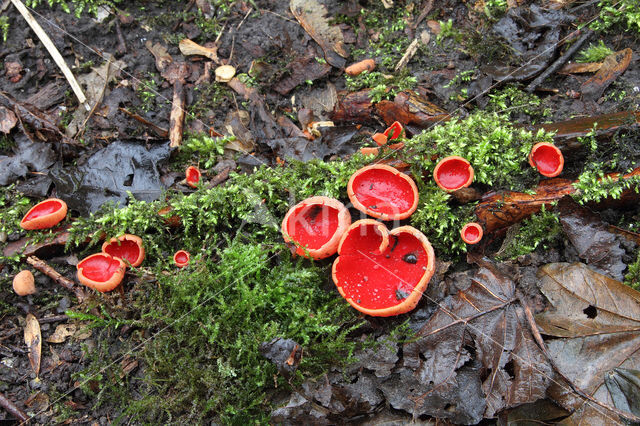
<point x="383" y="192"/>
<point x="394" y="131"/>
<point x="45" y="214"/>
<point x="23" y="283"/>
<point x="127" y="247"/>
<point x="193" y="176"/>
<point x="452" y="173"/>
<point x="181" y="258"/>
<point x="547" y="158"/>
<point x="315" y="225"/>
<point x="471" y="233"/>
<point x="101" y="271"/>
<point x="381" y="272"/>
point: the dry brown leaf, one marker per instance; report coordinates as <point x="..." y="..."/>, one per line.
<point x="577" y="68"/>
<point x="612" y="67"/>
<point x="62" y="332"/>
<point x="600" y="320"/>
<point x="312" y="16"/>
<point x="33" y="340"/>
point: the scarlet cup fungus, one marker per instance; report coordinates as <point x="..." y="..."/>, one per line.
<point x="126" y="247"/>
<point x="394" y="131"/>
<point x="44" y="215"/>
<point x="193" y="176"/>
<point x="381" y="272"/>
<point x="23" y="283"/>
<point x="101" y="271"/>
<point x="452" y="173"/>
<point x="471" y="233"/>
<point x="384" y="192"/>
<point x="547" y="158"/>
<point x="315" y="226"/>
<point x="181" y="258"/>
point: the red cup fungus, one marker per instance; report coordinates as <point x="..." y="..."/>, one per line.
<point x="44" y="215"/>
<point x="181" y="258"/>
<point x="394" y="131"/>
<point x="126" y="247"/>
<point x="471" y="233"/>
<point x="547" y="158"/>
<point x="101" y="271"/>
<point x="193" y="176"/>
<point x="23" y="283"/>
<point x="383" y="192"/>
<point x="452" y="173"/>
<point x="381" y="272"/>
<point x="315" y="225"/>
<point x="380" y="139"/>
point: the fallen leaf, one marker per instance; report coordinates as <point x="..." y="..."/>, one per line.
<point x="577" y="68"/>
<point x="284" y="353"/>
<point x="128" y="364"/>
<point x="312" y="17"/>
<point x="612" y="67"/>
<point x="8" y="120"/>
<point x="62" y="332"/>
<point x="484" y="321"/>
<point x="624" y="386"/>
<point x="33" y="340"/>
<point x="599" y="319"/>
<point x="591" y="238"/>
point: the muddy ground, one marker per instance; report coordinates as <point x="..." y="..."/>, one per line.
<point x="46" y="156"/>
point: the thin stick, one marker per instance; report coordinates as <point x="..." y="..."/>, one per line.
<point x="43" y="267"/>
<point x="13" y="409"/>
<point x="57" y="57"/>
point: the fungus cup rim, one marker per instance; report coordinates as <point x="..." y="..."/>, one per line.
<point x="442" y="162"/>
<point x="129" y="237"/>
<point x="380" y="215"/>
<point x="102" y="286"/>
<point x="46" y="221"/>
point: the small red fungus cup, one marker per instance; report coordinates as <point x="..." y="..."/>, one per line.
<point x="381" y="272"/>
<point x="315" y="225"/>
<point x="44" y="215"/>
<point x="181" y="258"/>
<point x="383" y="192"/>
<point x="452" y="173"/>
<point x="380" y="139"/>
<point x="193" y="176"/>
<point x="547" y="158"/>
<point x="394" y="131"/>
<point x="127" y="247"/>
<point x="101" y="271"/>
<point x="471" y="233"/>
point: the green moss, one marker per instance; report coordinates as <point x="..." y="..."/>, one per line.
<point x="382" y="86"/>
<point x="4" y="27"/>
<point x="513" y="101"/>
<point x="622" y="13"/>
<point x="632" y="279"/>
<point x="540" y="230"/>
<point x="79" y="6"/>
<point x="594" y="53"/>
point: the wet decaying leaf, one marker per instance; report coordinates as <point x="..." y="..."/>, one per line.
<point x="533" y="34"/>
<point x="110" y="173"/>
<point x="302" y="69"/>
<point x="591" y="238"/>
<point x="333" y="140"/>
<point x="624" y="386"/>
<point x="33" y="340"/>
<point x="612" y="67"/>
<point x="599" y="319"/>
<point x="29" y="156"/>
<point x="284" y="353"/>
<point x="484" y="318"/>
<point x="313" y="18"/>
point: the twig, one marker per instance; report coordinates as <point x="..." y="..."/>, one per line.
<point x="163" y="133"/>
<point x="122" y="44"/>
<point x="408" y="54"/>
<point x="43" y="267"/>
<point x="13" y="409"/>
<point x="559" y="62"/>
<point x="176" y="119"/>
<point x="220" y="177"/>
<point x="51" y="48"/>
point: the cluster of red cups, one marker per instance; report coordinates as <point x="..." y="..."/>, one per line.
<point x="383" y="272"/>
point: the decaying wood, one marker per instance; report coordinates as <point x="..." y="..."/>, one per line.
<point x="411" y="108"/>
<point x="46" y="248"/>
<point x="612" y="67"/>
<point x="176" y="120"/>
<point x="220" y="177"/>
<point x="579" y="127"/>
<point x="161" y="132"/>
<point x="353" y="107"/>
<point x="499" y="211"/>
<point x="559" y="62"/>
<point x="408" y="54"/>
<point x="43" y="267"/>
<point x="51" y="48"/>
<point x="12" y="409"/>
<point x="36" y="120"/>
